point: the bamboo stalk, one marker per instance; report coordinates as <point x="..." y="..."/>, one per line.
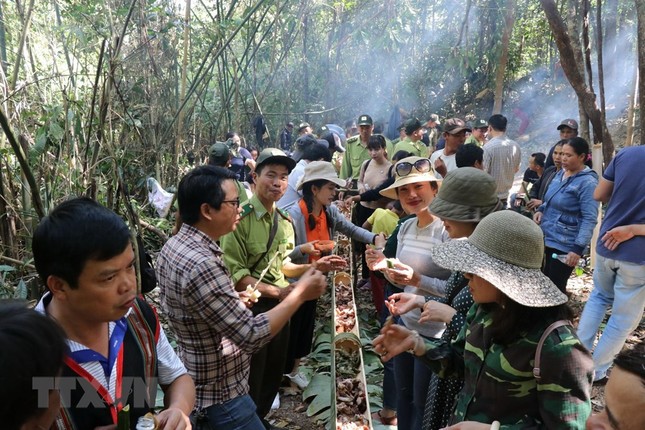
<point x="24" y="165"/>
<point x="21" y="45"/>
<point x="17" y="262"/>
<point x="182" y="90"/>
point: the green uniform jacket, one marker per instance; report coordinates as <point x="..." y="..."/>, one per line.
<point x="499" y="382"/>
<point x="241" y="192"/>
<point x="417" y="148"/>
<point x="244" y="246"/>
<point x="433" y="137"/>
<point x="355" y="154"/>
<point x="471" y="139"/>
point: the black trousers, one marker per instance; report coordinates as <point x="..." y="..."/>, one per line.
<point x="268" y="363"/>
<point x="360" y="214"/>
<point x="301" y="333"/>
<point x="556" y="270"/>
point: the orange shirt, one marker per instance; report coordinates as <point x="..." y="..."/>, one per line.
<point x="320" y="232"/>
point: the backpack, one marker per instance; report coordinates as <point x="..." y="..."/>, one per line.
<point x="147" y="270"/>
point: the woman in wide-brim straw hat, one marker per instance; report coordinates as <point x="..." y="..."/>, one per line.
<point x="415" y="272"/>
<point x="315" y="218"/>
<point x="515" y="305"/>
<point x="466" y="196"/>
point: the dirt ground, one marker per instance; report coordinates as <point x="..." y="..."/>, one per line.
<point x="292" y="412"/>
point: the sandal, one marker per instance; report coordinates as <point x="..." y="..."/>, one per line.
<point x="386" y="421"/>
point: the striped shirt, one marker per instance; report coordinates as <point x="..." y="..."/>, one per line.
<point x="216" y="333"/>
<point x="168" y="364"/>
<point x="502" y="158"/>
<point x="415" y="250"/>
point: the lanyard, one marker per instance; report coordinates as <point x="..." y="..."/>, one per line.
<point x="115" y="354"/>
<point x="115" y="342"/>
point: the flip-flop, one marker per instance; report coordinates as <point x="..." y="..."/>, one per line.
<point x="386" y="421"/>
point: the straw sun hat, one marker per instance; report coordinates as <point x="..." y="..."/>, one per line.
<point x="411" y="178"/>
<point x="506" y="249"/>
<point x="320" y="170"/>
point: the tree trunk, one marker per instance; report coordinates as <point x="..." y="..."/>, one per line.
<point x="608" y="151"/>
<point x="640" y="10"/>
<point x="587" y="97"/>
<point x="509" y="20"/>
<point x="629" y="139"/>
<point x="464" y="24"/>
<point x="574" y="28"/>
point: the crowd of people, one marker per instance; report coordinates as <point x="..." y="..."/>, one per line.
<point x="470" y="286"/>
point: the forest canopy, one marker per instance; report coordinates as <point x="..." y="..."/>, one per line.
<point x="98" y="95"/>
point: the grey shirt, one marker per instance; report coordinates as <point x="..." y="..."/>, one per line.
<point x="502" y="158"/>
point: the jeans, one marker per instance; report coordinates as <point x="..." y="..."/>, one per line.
<point x="412" y="378"/>
<point x="235" y="414"/>
<point x="621" y="286"/>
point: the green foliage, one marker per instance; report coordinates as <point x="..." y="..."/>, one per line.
<point x="6" y="289"/>
<point x="320" y="61"/>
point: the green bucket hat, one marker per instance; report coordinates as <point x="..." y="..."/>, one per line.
<point x="466" y="194"/>
<point x="506" y="249"/>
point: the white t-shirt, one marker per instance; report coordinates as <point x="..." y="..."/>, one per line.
<point x="449" y="161"/>
<point x="415" y="249"/>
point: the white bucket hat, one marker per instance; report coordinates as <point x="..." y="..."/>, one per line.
<point x="414" y="175"/>
<point x="320" y="170"/>
<point x="506" y="249"/>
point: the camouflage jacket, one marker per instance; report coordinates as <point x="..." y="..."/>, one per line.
<point x="499" y="382"/>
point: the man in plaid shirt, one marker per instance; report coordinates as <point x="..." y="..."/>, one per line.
<point x="216" y="332"/>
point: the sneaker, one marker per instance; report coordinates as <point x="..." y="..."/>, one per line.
<point x="299" y="379"/>
<point x="276" y="402"/>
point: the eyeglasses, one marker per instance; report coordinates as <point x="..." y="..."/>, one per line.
<point x="404" y="168"/>
<point x="235" y="203"/>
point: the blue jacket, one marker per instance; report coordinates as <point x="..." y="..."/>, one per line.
<point x="569" y="211"/>
<point x="336" y="222"/>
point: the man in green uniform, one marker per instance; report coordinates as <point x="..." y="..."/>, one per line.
<point x="412" y="142"/>
<point x="356" y="150"/>
<point x="478" y="135"/>
<point x="262" y="241"/>
<point x="432" y="126"/>
<point x="401" y="130"/>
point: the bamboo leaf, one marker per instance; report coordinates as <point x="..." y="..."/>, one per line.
<point x="318" y="382"/>
<point x="21" y="291"/>
<point x="321" y="402"/>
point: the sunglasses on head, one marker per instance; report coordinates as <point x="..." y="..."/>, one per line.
<point x="404" y="168"/>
